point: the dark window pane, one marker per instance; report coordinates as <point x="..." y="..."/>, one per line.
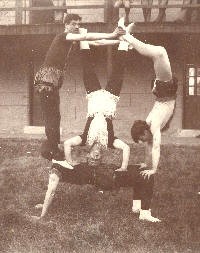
<point x="198" y="71"/>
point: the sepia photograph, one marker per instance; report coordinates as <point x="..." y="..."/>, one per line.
<point x="99" y="126"/>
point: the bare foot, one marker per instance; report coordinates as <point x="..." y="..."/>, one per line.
<point x="150" y="218"/>
<point x="121" y="169"/>
<point x="35" y="218"/>
<point x="39" y="206"/>
<point x="146" y="215"/>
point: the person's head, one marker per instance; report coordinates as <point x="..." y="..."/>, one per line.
<point x="140" y="131"/>
<point x="72" y="23"/>
<point x="95" y="154"/>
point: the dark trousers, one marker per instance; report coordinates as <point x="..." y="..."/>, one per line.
<point x="143" y="189"/>
<point x="50" y="104"/>
<point x="115" y="81"/>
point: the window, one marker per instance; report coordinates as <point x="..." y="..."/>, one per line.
<point x="193" y="80"/>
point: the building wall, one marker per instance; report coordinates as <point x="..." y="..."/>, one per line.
<point x="136" y="98"/>
<point x="14" y="95"/>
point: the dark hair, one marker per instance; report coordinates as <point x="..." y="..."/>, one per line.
<point x="69" y="17"/>
<point x="138" y="128"/>
<point x="93" y="144"/>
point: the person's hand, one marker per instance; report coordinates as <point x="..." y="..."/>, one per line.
<point x="118" y="32"/>
<point x="73" y="162"/>
<point x="147" y="173"/>
<point x="83" y="30"/>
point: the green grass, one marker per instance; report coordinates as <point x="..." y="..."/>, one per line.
<point x="84" y="220"/>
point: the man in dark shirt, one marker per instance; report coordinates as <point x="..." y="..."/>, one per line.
<point x="103" y="177"/>
<point x="49" y="78"/>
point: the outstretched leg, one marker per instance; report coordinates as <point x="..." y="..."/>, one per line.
<point x="90" y="78"/>
<point x="115" y="81"/>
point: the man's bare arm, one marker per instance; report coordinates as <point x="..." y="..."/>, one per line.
<point x="103" y="42"/>
<point x="125" y="152"/>
<point x="148" y="155"/>
<point x="153" y="152"/>
<point x="52" y="186"/>
<point x="156" y="149"/>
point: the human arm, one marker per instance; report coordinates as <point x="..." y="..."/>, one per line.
<point x="52" y="186"/>
<point x="83" y="35"/>
<point x="125" y="152"/>
<point x="103" y="42"/>
<point x="153" y="152"/>
<point x="148" y="157"/>
<point x="156" y="149"/>
<point x="68" y="145"/>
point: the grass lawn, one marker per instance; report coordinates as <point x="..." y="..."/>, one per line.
<point x="84" y="220"/>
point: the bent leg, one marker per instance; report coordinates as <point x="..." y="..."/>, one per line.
<point x="143" y="190"/>
<point x="68" y="145"/>
<point x="158" y="55"/>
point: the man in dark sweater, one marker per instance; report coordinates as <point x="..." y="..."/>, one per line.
<point x="49" y="78"/>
